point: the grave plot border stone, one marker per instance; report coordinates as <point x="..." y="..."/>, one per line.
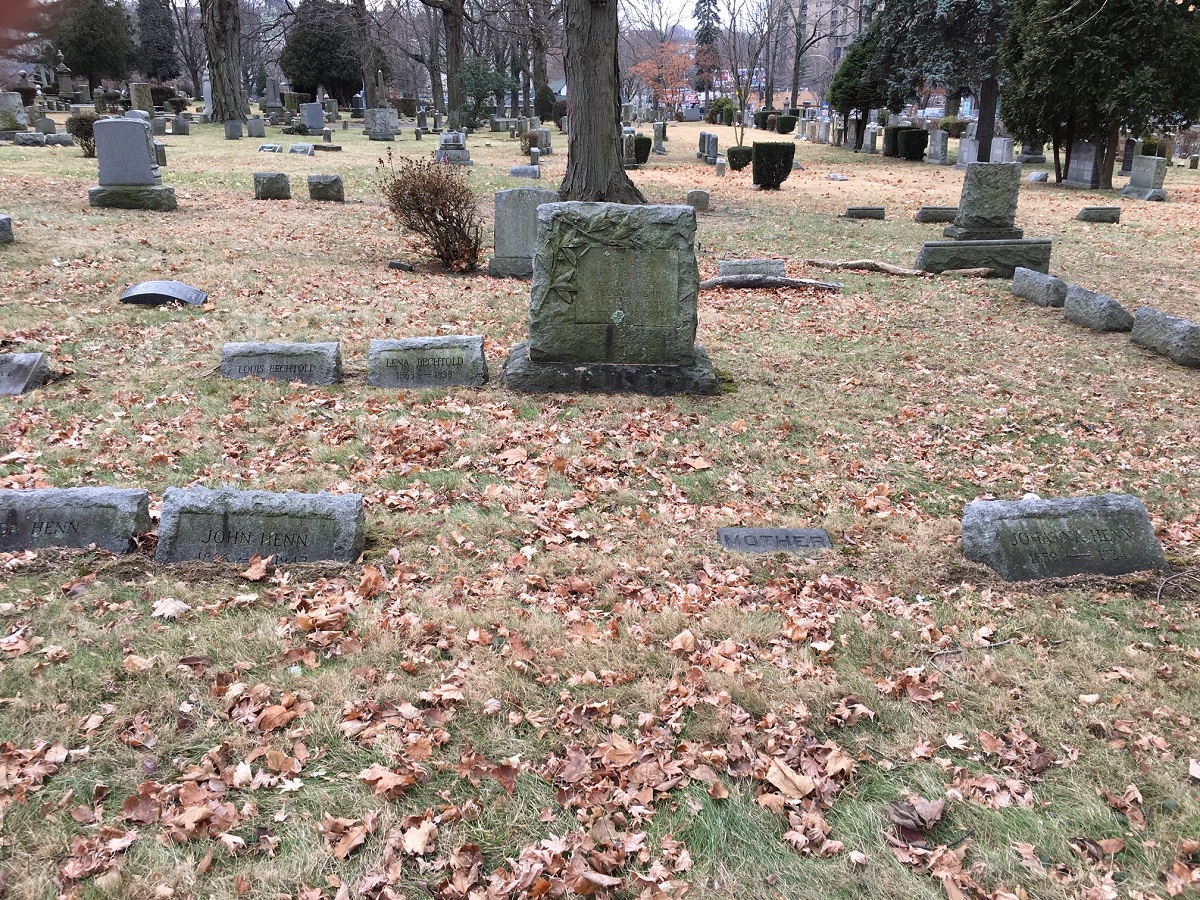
<point x="797" y="541"/>
<point x="1039" y="288"/>
<point x="1095" y="311"/>
<point x="110" y="518"/>
<point x="316" y="363"/>
<point x="1023" y="540"/>
<point x="200" y="524"/>
<point x="326" y="188"/>
<point x="6" y="230"/>
<point x="272" y="186"/>
<point x="1175" y="338"/>
<point x="865" y="212"/>
<point x="22" y="372"/>
<point x="774" y="268"/>
<point x="427" y="362"/>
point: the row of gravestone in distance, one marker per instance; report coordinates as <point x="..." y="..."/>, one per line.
<point x="1021" y="540"/>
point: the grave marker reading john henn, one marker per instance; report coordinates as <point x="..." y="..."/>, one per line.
<point x="232" y="526"/>
<point x="1108" y="534"/>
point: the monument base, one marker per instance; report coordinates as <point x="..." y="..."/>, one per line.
<point x="1031" y="157"/>
<point x="1002" y="257"/>
<point x="1140" y="193"/>
<point x="959" y="233"/>
<point x="510" y="266"/>
<point x="522" y="374"/>
<point x="133" y="196"/>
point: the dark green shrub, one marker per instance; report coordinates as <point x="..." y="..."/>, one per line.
<point x="953" y="126"/>
<point x="159" y="95"/>
<point x="911" y="143"/>
<point x="772" y="163"/>
<point x="738" y="157"/>
<point x="559" y="112"/>
<point x="786" y="124"/>
<point x="178" y="104"/>
<point x="719" y="109"/>
<point x="771" y="120"/>
<point x="760" y="118"/>
<point x="641" y="148"/>
<point x="81" y="127"/>
<point x="435" y="202"/>
<point x="543" y="103"/>
<point x="28" y="93"/>
<point x="889" y="139"/>
<point x="728" y="116"/>
<point x="1150" y="145"/>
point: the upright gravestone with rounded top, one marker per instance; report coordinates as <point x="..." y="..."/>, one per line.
<point x="129" y="176"/>
<point x="613" y="303"/>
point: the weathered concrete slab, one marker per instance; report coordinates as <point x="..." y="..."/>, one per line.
<point x="110" y="518"/>
<point x="427" y="362"/>
<point x="1002" y="257"/>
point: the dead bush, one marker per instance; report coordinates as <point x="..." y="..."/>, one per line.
<point x="434" y="201"/>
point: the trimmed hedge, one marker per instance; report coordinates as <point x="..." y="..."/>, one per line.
<point x="760" y="118"/>
<point x="786" y="124"/>
<point x="889" y="139"/>
<point x="717" y="112"/>
<point x="772" y="163"/>
<point x="911" y="143"/>
<point x="641" y="148"/>
<point x="953" y="126"/>
<point x="738" y="157"/>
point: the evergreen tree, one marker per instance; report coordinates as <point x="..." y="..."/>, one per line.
<point x="156" y="40"/>
<point x="94" y="36"/>
<point x="855" y="84"/>
<point x="322" y="48"/>
<point x="708" y="32"/>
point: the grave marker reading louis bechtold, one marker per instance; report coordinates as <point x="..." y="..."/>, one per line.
<point x="319" y="363"/>
<point x="801" y="541"/>
<point x="233" y="526"/>
<point x="110" y="518"/>
<point x="1108" y="534"/>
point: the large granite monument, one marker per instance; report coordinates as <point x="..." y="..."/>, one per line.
<point x="129" y="176"/>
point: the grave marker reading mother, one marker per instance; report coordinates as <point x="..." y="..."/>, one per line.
<point x="110" y="518"/>
<point x="232" y="526"/>
<point x="800" y="541"/>
<point x="1108" y="534"/>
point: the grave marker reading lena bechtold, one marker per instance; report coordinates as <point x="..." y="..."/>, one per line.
<point x="1108" y="534"/>
<point x="110" y="518"/>
<point x="427" y="362"/>
<point x="229" y="525"/>
<point x="801" y="541"/>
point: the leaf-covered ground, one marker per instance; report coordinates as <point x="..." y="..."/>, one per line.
<point x="545" y="678"/>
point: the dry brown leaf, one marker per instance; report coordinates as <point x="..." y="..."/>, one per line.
<point x="257" y="569"/>
<point x="791" y="784"/>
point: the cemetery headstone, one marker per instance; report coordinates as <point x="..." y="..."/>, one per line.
<point x="21" y="372"/>
<point x="60" y="140"/>
<point x="865" y="212"/>
<point x="156" y="293"/>
<point x="1037" y="177"/>
<point x="1002" y="150"/>
<point x="1023" y="540"/>
<point x="1095" y="311"/>
<point x="525" y="172"/>
<point x="319" y="363"/>
<point x="12" y="113"/>
<point x="1083" y="171"/>
<point x="313" y="116"/>
<point x="1039" y="288"/>
<point x="712" y="150"/>
<point x="1002" y="258"/>
<point x="160" y="154"/>
<point x="326" y="188"/>
<point x="1109" y="215"/>
<point x="968" y="152"/>
<point x="272" y="186"/>
<point x="774" y="268"/>
<point x="939" y="148"/>
<point x="660" y="131"/>
<point x="29" y="139"/>
<point x="109" y="518"/>
<point x="629" y="150"/>
<point x="158" y="125"/>
<point x="452" y="149"/>
<point x="140" y="114"/>
<point x="720" y="167"/>
<point x="301" y="149"/>
<point x="45" y="126"/>
<point x="181" y="124"/>
<point x="1175" y="338"/>
<point x="613" y="304"/>
<point x="1146" y="179"/>
<point x="988" y="206"/>
<point x="199" y="524"/>
<point x="428" y="362"/>
<point x="516" y="230"/>
<point x="129" y="176"/>
<point x="270" y="148"/>
<point x="233" y="130"/>
<point x="141" y="98"/>
<point x="256" y="127"/>
<point x="698" y="200"/>
<point x="940" y="214"/>
<point x="796" y="541"/>
<point x="6" y="230"/>
<point x="1032" y="152"/>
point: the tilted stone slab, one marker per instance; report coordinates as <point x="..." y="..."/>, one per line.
<point x="272" y="186"/>
<point x="21" y="372"/>
<point x="1039" y="288"/>
<point x="1002" y="257"/>
<point x="301" y="149"/>
<point x="776" y="268"/>
<point x="427" y="362"/>
<point x="516" y="230"/>
<point x="940" y="214"/>
<point x="799" y="541"/>
<point x="156" y="293"/>
<point x="1108" y="534"/>
<point x="1175" y="338"/>
<point x="6" y="230"/>
<point x="1108" y="215"/>
<point x="326" y="188"/>
<point x="865" y="212"/>
<point x="29" y="139"/>
<point x="110" y="518"/>
<point x="270" y="148"/>
<point x="199" y="524"/>
<point x="319" y="363"/>
<point x="1095" y="311"/>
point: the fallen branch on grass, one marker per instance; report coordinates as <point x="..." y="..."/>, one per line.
<point x="866" y="265"/>
<point x="766" y="282"/>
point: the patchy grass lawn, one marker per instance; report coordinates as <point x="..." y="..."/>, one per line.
<point x="545" y="677"/>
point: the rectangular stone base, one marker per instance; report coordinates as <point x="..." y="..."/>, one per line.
<point x="133" y="196"/>
<point x="510" y="266"/>
<point x="963" y="233"/>
<point x="521" y="374"/>
<point x="939" y="214"/>
<point x="1002" y="257"/>
<point x="1140" y="193"/>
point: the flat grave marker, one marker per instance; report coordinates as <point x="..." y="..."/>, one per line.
<point x="428" y="362"/>
<point x="21" y="372"/>
<point x="319" y="363"/>
<point x="156" y="293"/>
<point x="800" y="541"/>
<point x="110" y="518"/>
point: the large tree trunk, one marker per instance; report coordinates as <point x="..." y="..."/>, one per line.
<point x="953" y="103"/>
<point x="433" y="60"/>
<point x="989" y="93"/>
<point x="1113" y="143"/>
<point x="362" y="22"/>
<point x="453" y="16"/>
<point x="594" y="169"/>
<point x="539" y="41"/>
<point x="222" y="36"/>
